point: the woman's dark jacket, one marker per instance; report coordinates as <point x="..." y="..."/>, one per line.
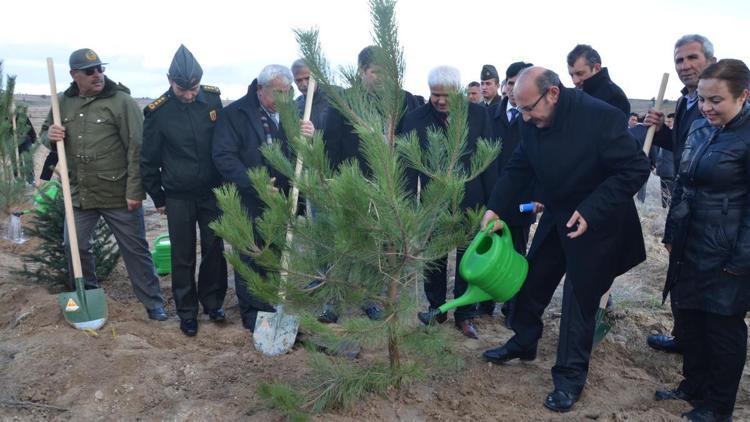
<point x="708" y="224"/>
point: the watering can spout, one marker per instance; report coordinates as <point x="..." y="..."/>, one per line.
<point x="492" y="268"/>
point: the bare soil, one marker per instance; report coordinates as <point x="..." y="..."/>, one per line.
<point x="138" y="369"/>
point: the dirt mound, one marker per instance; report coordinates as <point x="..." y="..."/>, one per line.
<point x="137" y="369"/>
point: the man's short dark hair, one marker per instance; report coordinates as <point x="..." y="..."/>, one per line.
<point x="474" y="84"/>
<point x="367" y="57"/>
<point x="670" y="116"/>
<point x="587" y="52"/>
<point x="635" y="114"/>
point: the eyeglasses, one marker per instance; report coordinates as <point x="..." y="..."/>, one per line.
<point x="90" y="71"/>
<point x="529" y="109"/>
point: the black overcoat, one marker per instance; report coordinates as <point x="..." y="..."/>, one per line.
<point x="587" y="161"/>
<point x="476" y="191"/>
<point x="601" y="86"/>
<point x="708" y="224"/>
<point x="342" y="142"/>
<point x="509" y="133"/>
<point x="238" y="137"/>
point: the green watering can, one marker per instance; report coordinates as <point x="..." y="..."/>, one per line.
<point x="50" y="189"/>
<point x="162" y="254"/>
<point x="491" y="267"/>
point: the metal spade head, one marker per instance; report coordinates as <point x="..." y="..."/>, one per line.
<point x="84" y="309"/>
<point x="275" y="332"/>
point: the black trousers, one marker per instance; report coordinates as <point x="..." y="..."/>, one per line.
<point x="714" y="354"/>
<point x="182" y="217"/>
<point x="520" y="235"/>
<point x="436" y="287"/>
<point x="546" y="269"/>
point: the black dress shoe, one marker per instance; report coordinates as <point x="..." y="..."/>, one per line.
<point x="189" y="327"/>
<point x="374" y="311"/>
<point x="467" y="328"/>
<point x="677" y="394"/>
<point x="217" y="315"/>
<point x="560" y="401"/>
<point x="702" y="414"/>
<point x="664" y="343"/>
<point x="157" y="314"/>
<point x="432" y="316"/>
<point x="328" y="315"/>
<point x="503" y="354"/>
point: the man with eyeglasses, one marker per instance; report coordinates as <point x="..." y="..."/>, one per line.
<point x="179" y="175"/>
<point x="586" y="168"/>
<point x="102" y="129"/>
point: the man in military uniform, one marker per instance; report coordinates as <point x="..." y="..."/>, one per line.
<point x="102" y="129"/>
<point x="179" y="175"/>
<point x="490" y="85"/>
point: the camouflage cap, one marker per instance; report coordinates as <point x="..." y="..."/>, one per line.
<point x="185" y="71"/>
<point x="84" y="59"/>
<point x="489" y="72"/>
<point x="515" y="68"/>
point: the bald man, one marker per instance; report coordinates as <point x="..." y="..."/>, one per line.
<point x="586" y="168"/>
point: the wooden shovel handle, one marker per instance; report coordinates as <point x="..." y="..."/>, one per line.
<point x="657" y="107"/>
<point x="63" y="165"/>
<point x="295" y="190"/>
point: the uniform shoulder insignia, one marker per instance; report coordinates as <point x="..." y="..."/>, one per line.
<point x="155" y="104"/>
<point x="212" y="89"/>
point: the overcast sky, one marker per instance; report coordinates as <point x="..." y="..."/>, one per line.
<point x="234" y="40"/>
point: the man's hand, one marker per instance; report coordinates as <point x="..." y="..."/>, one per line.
<point x="489" y="217"/>
<point x="577" y="219"/>
<point x="56" y="133"/>
<point x="272" y="182"/>
<point x="538" y="207"/>
<point x="655" y="118"/>
<point x="162" y="210"/>
<point x="306" y="128"/>
<point x="134" y="204"/>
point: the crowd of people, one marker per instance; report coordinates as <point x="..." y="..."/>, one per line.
<point x="569" y="151"/>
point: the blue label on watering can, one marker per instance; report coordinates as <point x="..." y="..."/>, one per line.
<point x="527" y="207"/>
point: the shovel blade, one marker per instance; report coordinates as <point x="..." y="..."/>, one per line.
<point x="84" y="309"/>
<point x="275" y="332"/>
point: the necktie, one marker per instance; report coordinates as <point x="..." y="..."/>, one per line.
<point x="513" y="114"/>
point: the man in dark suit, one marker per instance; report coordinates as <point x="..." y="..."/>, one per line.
<point x="242" y="128"/>
<point x="506" y="126"/>
<point x="692" y="54"/>
<point x="342" y="143"/>
<point x="585" y="68"/>
<point x="442" y="81"/>
<point x="586" y="168"/>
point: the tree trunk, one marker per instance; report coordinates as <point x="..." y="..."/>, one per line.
<point x="394" y="355"/>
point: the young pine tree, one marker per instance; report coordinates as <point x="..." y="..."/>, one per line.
<point x="46" y="264"/>
<point x="371" y="236"/>
<point x="12" y="184"/>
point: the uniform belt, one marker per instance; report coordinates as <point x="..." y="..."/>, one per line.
<point x="86" y="158"/>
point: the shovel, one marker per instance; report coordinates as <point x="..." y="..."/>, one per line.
<point x="275" y="332"/>
<point x="84" y="309"/>
<point x="602" y="326"/>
